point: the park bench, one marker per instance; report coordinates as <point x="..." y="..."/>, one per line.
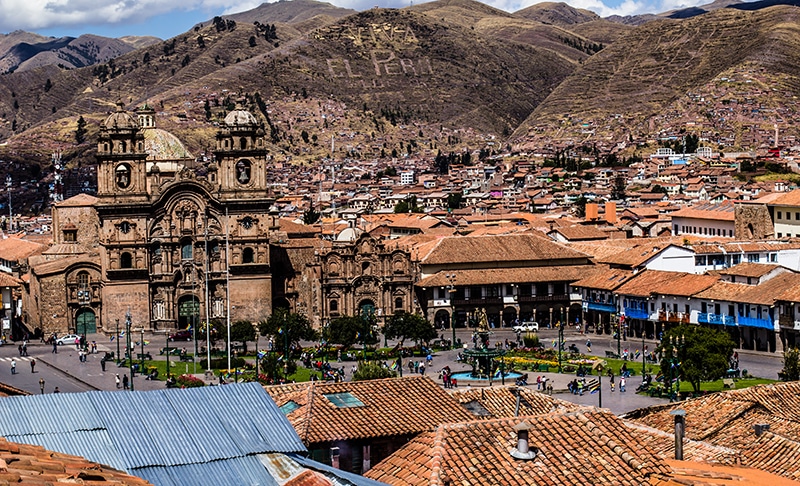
<point x="171" y="351"/>
<point x="612" y="354"/>
<point x="728" y="383"/>
<point x="186" y="357"/>
<point x="144" y="356"/>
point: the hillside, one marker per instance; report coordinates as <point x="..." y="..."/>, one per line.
<point x="20" y="51"/>
<point x="648" y="70"/>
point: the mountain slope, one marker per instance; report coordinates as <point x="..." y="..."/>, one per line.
<point x="646" y="71"/>
<point x="21" y="51"/>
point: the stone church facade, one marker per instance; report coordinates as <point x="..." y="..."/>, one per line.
<point x="159" y="242"/>
<point x="172" y="246"/>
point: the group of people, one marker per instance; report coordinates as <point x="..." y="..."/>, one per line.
<point x="543" y="384"/>
<point x="447" y="378"/>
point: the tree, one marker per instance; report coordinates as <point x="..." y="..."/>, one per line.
<point x="370" y="370"/>
<point x="454" y="200"/>
<point x="413" y="327"/>
<point x="791" y="365"/>
<point x="310" y="216"/>
<point x="80" y="131"/>
<point x="703" y="355"/>
<point x="243" y="331"/>
<point x="285" y="326"/>
<point x="349" y="330"/>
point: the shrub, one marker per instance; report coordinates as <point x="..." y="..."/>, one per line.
<point x="189" y="381"/>
<point x="372" y="371"/>
<point x="531" y="341"/>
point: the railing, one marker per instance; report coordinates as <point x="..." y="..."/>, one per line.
<point x="720" y="319"/>
<point x="755" y="322"/>
<point x="633" y="313"/>
<point x="681" y="317"/>
<point x="599" y="306"/>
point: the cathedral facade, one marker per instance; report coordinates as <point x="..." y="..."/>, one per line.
<point x="159" y="243"/>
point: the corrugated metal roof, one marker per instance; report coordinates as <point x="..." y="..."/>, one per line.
<point x="244" y="471"/>
<point x="192" y="436"/>
<point x="344" y="477"/>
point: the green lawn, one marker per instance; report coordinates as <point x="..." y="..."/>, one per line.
<point x="715" y="386"/>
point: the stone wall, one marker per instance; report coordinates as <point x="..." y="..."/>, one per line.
<point x="753" y="222"/>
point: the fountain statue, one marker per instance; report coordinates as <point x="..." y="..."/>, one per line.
<point x="482" y="357"/>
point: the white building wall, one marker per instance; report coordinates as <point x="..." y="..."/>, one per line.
<point x="702" y="227"/>
<point x="673" y="259"/>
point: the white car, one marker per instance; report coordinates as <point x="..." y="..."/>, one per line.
<point x="529" y="326"/>
<point x="68" y="339"/>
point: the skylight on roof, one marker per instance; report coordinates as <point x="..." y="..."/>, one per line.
<point x="289" y="407"/>
<point x="344" y="400"/>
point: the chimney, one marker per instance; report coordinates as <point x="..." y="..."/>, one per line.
<point x="591" y="212"/>
<point x="523" y="450"/>
<point x="335" y="457"/>
<point x="680" y="426"/>
<point x="611" y="212"/>
<point x="760" y="429"/>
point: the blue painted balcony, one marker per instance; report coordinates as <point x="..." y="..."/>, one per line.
<point x="755" y="322"/>
<point x="719" y="319"/>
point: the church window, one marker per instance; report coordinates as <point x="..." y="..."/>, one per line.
<point x="186" y="250"/>
<point x="125" y="227"/>
<point x="123" y="176"/>
<point x="126" y="260"/>
<point x="243" y="171"/>
<point x="334" y="306"/>
<point x="243" y="143"/>
<point x="247" y="255"/>
<point x="398" y="303"/>
<point x="247" y="222"/>
<point x="123" y="147"/>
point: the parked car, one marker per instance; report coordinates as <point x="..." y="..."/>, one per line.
<point x="182" y="335"/>
<point x="528" y="326"/>
<point x="68" y="339"/>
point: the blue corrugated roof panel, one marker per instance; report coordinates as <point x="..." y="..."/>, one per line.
<point x="24" y="415"/>
<point x="240" y="471"/>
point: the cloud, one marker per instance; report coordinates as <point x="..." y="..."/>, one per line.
<point x="34" y="15"/>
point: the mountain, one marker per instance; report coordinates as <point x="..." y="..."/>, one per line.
<point x="646" y="74"/>
<point x="556" y="13"/>
<point x="20" y="51"/>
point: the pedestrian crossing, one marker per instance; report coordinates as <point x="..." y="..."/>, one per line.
<point x="20" y="358"/>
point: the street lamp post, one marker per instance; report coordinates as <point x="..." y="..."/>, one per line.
<point x="560" y="342"/>
<point x="676" y="343"/>
<point x="128" y="343"/>
<point x="141" y="369"/>
<point x="619" y="335"/>
<point x="451" y="277"/>
<point x="117" y="339"/>
<point x="643" y="352"/>
<point x="10" y="213"/>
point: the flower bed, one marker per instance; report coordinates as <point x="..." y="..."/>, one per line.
<point x="521" y="362"/>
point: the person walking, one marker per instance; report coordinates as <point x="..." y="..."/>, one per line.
<point x="622" y="383"/>
<point x="41" y="385"/>
<point x="116" y="380"/>
<point x="13" y="366"/>
<point x="55" y="346"/>
<point x="24" y="348"/>
<point x="33" y="366"/>
<point x="125" y="382"/>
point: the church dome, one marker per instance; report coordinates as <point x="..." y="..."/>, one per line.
<point x="121" y="119"/>
<point x="162" y="145"/>
<point x="239" y="118"/>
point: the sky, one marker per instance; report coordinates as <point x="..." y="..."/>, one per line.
<point x="165" y="19"/>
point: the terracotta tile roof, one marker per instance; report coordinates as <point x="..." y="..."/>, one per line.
<point x="78" y="200"/>
<point x="650" y="282"/>
<point x="15" y="249"/>
<point x="581" y="232"/>
<point x="504" y="248"/>
<point x="501" y="401"/>
<point x="562" y="273"/>
<point x="31" y="465"/>
<point x="576" y="448"/>
<point x="686" y="473"/>
<point x="424" y="405"/>
<point x="723" y="211"/>
<point x="726" y="419"/>
<point x="662" y="443"/>
<point x="766" y="293"/>
<point x="748" y="269"/>
<point x="725" y="291"/>
<point x="605" y="279"/>
<point x="628" y="252"/>
<point x="791" y="198"/>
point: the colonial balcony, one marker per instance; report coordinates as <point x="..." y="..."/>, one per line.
<point x="719" y="319"/>
<point x="678" y="317"/>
